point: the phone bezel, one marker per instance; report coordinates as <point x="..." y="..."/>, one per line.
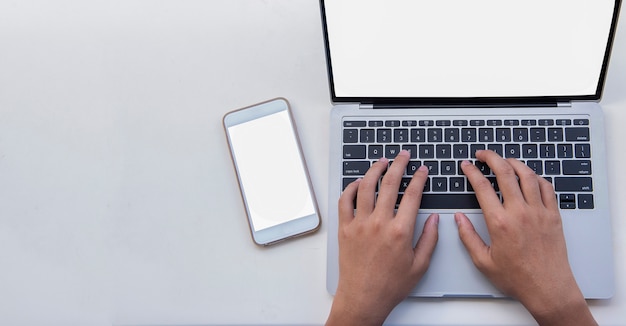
<point x="290" y="229"/>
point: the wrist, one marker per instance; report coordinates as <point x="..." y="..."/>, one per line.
<point x="348" y="311"/>
<point x="563" y="308"/>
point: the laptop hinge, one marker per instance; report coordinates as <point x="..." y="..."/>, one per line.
<point x="366" y="106"/>
<point x="564" y="104"/>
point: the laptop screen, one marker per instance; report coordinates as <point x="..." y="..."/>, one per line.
<point x="460" y="49"/>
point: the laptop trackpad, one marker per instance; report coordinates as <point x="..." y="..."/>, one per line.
<point x="451" y="271"/>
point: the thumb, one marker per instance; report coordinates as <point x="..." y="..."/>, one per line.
<point x="426" y="244"/>
<point x="474" y="244"/>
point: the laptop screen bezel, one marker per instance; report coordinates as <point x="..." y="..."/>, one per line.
<point x="427" y="101"/>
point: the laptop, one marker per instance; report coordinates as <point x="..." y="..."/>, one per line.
<point x="444" y="79"/>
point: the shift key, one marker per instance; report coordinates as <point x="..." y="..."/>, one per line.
<point x="573" y="184"/>
<point x="355" y="167"/>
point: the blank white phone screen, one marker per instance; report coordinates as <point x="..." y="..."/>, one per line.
<point x="271" y="172"/>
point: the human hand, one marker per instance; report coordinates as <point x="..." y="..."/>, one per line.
<point x="378" y="264"/>
<point x="527" y="257"/>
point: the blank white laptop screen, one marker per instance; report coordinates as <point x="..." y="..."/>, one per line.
<point x="460" y="48"/>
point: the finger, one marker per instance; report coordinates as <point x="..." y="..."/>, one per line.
<point x="410" y="203"/>
<point x="486" y="195"/>
<point x="426" y="244"/>
<point x="547" y="194"/>
<point x="528" y="182"/>
<point x="474" y="244"/>
<point x="366" y="198"/>
<point x="346" y="203"/>
<point x="389" y="186"/>
<point x="505" y="174"/>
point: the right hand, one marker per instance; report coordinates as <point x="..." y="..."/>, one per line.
<point x="527" y="257"/>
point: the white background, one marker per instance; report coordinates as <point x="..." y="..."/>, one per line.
<point x="118" y="200"/>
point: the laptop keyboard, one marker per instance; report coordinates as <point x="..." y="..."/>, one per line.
<point x="557" y="149"/>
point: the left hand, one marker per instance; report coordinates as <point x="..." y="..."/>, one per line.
<point x="378" y="264"/>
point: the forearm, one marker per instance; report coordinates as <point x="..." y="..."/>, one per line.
<point x="346" y="312"/>
<point x="566" y="310"/>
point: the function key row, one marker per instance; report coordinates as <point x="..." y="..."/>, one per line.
<point x="465" y="135"/>
<point x="460" y="123"/>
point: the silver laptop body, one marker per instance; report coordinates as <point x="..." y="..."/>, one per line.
<point x="446" y="79"/>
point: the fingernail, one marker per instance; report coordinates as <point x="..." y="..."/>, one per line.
<point x="436" y="219"/>
<point x="465" y="162"/>
<point x="383" y="160"/>
<point x="423" y="168"/>
<point x="404" y="152"/>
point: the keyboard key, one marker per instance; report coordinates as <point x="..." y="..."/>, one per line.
<point x="546" y="122"/>
<point x="451" y="135"/>
<point x="412" y="149"/>
<point x="529" y="122"/>
<point x="404" y="183"/>
<point x="401" y="135"/>
<point x="443" y="123"/>
<point x="375" y="123"/>
<point x="433" y="167"/>
<point x="392" y="123"/>
<point x="460" y="151"/>
<point x="444" y="151"/>
<point x="383" y="135"/>
<point x="520" y="135"/>
<point x="418" y="135"/>
<point x="457" y="184"/>
<point x="459" y="123"/>
<point x="354" y="124"/>
<point x="555" y="134"/>
<point x="582" y="150"/>
<point x="563" y="122"/>
<point x="564" y="151"/>
<point x="477" y="123"/>
<point x="427" y="151"/>
<point x="537" y="134"/>
<point x="512" y="150"/>
<point x="511" y="122"/>
<point x="552" y="168"/>
<point x="575" y="167"/>
<point x="475" y="148"/>
<point x="496" y="148"/>
<point x="581" y="122"/>
<point x="582" y="184"/>
<point x="350" y="135"/>
<point x="435" y="135"/>
<point x="347" y="181"/>
<point x="355" y="167"/>
<point x="547" y="151"/>
<point x="354" y="151"/>
<point x="375" y="152"/>
<point x="391" y="151"/>
<point x="529" y="151"/>
<point x="468" y="135"/>
<point x="585" y="201"/>
<point x="448" y="168"/>
<point x="494" y="122"/>
<point x="503" y="134"/>
<point x="368" y="135"/>
<point x="483" y="167"/>
<point x="485" y="135"/>
<point x="577" y="134"/>
<point x="439" y="184"/>
<point x="427" y="123"/>
<point x="409" y="123"/>
<point x="449" y="201"/>
<point x="536" y="166"/>
<point x="412" y="167"/>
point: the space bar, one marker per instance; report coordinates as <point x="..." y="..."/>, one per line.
<point x="449" y="201"/>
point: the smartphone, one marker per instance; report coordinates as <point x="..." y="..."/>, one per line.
<point x="273" y="178"/>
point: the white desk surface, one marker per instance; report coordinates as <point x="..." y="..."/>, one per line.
<point x="118" y="200"/>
